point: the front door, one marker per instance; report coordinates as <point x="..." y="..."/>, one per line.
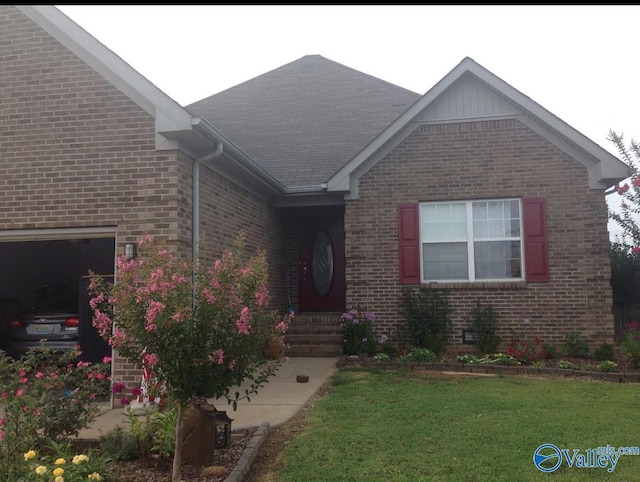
<point x="322" y="261"/>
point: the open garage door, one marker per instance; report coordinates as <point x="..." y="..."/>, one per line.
<point x="38" y="267"/>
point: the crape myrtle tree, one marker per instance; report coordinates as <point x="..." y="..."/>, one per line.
<point x="625" y="251"/>
<point x="200" y="328"/>
<point x="628" y="217"/>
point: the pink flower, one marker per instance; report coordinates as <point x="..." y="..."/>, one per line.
<point x="106" y="359"/>
<point x="54" y="375"/>
<point x="99" y="376"/>
<point x="19" y="392"/>
<point x="152" y="359"/>
<point x="177" y="317"/>
<point x="281" y="327"/>
<point x="232" y="365"/>
<point x="22" y="373"/>
<point x="39" y="375"/>
<point x="83" y="364"/>
<point x="135" y="391"/>
<point x="243" y="322"/>
<point x="118" y="387"/>
<point x="125" y="401"/>
<point x="635" y="250"/>
<point x="219" y="354"/>
<point x="90" y="375"/>
<point x="92" y="396"/>
<point x="24" y="380"/>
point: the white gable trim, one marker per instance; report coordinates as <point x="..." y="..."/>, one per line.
<point x="604" y="168"/>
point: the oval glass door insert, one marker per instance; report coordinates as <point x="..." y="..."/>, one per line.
<point x="322" y="263"/>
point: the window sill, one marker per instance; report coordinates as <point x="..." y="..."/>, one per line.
<point x="475" y="285"/>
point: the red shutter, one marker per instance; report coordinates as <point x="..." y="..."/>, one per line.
<point x="535" y="240"/>
<point x="409" y="240"/>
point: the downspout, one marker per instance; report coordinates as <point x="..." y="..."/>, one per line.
<point x="195" y="187"/>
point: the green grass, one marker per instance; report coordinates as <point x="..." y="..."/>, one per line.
<point x="377" y="426"/>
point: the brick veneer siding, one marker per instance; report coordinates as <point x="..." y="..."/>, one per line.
<point x="477" y="160"/>
<point x="227" y="209"/>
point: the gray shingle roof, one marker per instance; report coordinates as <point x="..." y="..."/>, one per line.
<point x="306" y="119"/>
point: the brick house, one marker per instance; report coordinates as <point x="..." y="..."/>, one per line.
<point x="355" y="187"/>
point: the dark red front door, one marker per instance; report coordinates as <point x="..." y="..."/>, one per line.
<point x="321" y="262"/>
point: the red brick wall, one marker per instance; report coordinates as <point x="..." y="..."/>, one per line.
<point x="475" y="160"/>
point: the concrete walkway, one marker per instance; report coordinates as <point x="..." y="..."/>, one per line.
<point x="275" y="403"/>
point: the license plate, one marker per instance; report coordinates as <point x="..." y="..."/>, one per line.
<point x="43" y="329"/>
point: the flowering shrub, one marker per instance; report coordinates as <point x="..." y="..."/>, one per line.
<point x="201" y="329"/>
<point x="357" y="329"/>
<point x="607" y="366"/>
<point x="46" y="396"/>
<point x="60" y="466"/>
<point x="526" y="353"/>
<point x="630" y="344"/>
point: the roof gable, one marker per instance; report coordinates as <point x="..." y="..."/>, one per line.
<point x="470" y="92"/>
<point x="306" y="119"/>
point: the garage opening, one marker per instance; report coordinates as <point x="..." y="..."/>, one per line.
<point x="46" y="268"/>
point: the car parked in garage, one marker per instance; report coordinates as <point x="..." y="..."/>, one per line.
<point x="55" y="322"/>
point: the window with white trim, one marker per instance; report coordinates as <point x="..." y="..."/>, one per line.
<point x="471" y="240"/>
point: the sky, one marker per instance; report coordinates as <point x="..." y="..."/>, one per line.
<point x="577" y="61"/>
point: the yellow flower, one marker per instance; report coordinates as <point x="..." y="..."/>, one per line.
<point x="78" y="459"/>
<point x="30" y="455"/>
<point x="60" y="461"/>
<point x="58" y="479"/>
<point x="41" y="469"/>
<point x="58" y="472"/>
<point x="94" y="476"/>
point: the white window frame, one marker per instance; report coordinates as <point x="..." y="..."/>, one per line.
<point x="470" y="242"/>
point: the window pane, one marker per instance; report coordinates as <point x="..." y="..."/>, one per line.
<point x="443" y="222"/>
<point x="445" y="261"/>
<point x="497" y="259"/>
<point x="479" y="210"/>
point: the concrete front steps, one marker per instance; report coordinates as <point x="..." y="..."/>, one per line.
<point x="314" y="335"/>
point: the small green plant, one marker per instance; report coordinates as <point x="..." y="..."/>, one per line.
<point x="358" y="333"/>
<point x="550" y="351"/>
<point x="539" y="364"/>
<point x="119" y="444"/>
<point x="575" y="345"/>
<point x="630" y="344"/>
<point x="586" y="366"/>
<point x="607" y="366"/>
<point x="420" y="355"/>
<point x="485" y="325"/>
<point x="604" y="352"/>
<point x="381" y="357"/>
<point x="428" y="315"/>
<point x="504" y="359"/>
<point x="566" y="364"/>
<point x="470" y="359"/>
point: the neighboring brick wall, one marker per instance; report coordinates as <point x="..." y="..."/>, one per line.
<point x="76" y="152"/>
<point x="476" y="160"/>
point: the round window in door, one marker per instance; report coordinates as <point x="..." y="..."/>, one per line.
<point x="322" y="263"/>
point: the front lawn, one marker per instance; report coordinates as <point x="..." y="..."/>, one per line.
<point x="401" y="426"/>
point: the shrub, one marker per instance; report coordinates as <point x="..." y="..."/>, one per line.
<point x="604" y="352"/>
<point x="574" y="345"/>
<point x="357" y="330"/>
<point x="46" y="397"/>
<point x="550" y="351"/>
<point x="607" y="366"/>
<point x="630" y="344"/>
<point x="420" y="355"/>
<point x="428" y="315"/>
<point x="485" y="325"/>
<point x="566" y="364"/>
<point x="119" y="444"/>
<point x="65" y="465"/>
